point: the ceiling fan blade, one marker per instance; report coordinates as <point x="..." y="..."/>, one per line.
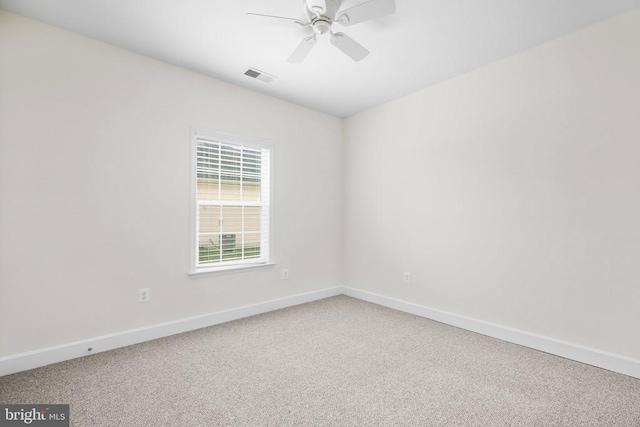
<point x="349" y="46"/>
<point x="302" y="50"/>
<point x="371" y="9"/>
<point x="275" y="20"/>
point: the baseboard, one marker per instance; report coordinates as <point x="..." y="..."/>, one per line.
<point x="580" y="353"/>
<point x="34" y="359"/>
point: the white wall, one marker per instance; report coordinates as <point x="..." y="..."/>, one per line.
<point x="94" y="189"/>
<point x="512" y="193"/>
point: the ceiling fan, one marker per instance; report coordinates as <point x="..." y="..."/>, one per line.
<point x="320" y="15"/>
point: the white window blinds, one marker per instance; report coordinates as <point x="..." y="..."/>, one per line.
<point x="233" y="183"/>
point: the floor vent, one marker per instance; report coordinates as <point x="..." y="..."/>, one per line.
<point x="259" y="75"/>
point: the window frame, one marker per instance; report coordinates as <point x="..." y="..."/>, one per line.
<point x="232" y="139"/>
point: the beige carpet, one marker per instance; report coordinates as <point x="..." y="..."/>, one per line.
<point x="335" y="362"/>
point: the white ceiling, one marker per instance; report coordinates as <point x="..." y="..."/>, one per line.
<point x="424" y="43"/>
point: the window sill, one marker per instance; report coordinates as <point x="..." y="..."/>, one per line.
<point x="216" y="271"/>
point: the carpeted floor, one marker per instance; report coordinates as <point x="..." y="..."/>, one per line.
<point x="335" y="362"/>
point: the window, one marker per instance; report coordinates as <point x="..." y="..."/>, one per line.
<point x="231" y="202"/>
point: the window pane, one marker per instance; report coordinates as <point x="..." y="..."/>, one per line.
<point x="251" y="191"/>
<point x="251" y="170"/>
<point x="252" y="245"/>
<point x="208" y="188"/>
<point x="232" y="219"/>
<point x="208" y="170"/>
<point x="209" y="234"/>
<point x="229" y="190"/>
<point x="208" y="157"/>
<point x="209" y="219"/>
<point x="252" y="228"/>
<point x="230" y="163"/>
<point x="252" y="219"/>
<point x="209" y="249"/>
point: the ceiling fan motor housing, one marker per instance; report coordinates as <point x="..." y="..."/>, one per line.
<point x="321" y="25"/>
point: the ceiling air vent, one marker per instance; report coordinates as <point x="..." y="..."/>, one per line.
<point x="259" y="75"/>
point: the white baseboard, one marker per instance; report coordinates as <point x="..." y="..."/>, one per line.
<point x="580" y="353"/>
<point x="34" y="359"/>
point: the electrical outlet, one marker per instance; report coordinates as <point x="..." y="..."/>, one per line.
<point x="144" y="295"/>
<point x="407" y="277"/>
<point x="285" y="274"/>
